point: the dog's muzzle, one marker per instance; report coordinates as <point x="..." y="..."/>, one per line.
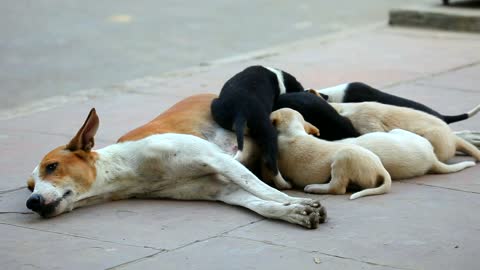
<point x="36" y="203"/>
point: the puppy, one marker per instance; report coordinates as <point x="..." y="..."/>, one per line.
<point x="319" y="113"/>
<point x="360" y="92"/>
<point x="405" y="154"/>
<point x="246" y="100"/>
<point x="369" y="117"/>
<point x="310" y="162"/>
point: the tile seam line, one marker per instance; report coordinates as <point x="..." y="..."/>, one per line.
<point x="132" y="262"/>
<point x="426" y="84"/>
<point x="315" y="251"/>
<point x="432" y="75"/>
<point x="82" y="237"/>
<point x="433" y="186"/>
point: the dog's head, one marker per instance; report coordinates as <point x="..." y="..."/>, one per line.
<point x="65" y="173"/>
<point x="287" y="120"/>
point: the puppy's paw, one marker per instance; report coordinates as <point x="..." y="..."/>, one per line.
<point x="307" y="217"/>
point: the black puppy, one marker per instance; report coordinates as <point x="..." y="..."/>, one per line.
<point x="246" y="100"/>
<point x="360" y="92"/>
<point x="319" y="113"/>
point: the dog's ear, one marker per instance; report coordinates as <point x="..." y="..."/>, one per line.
<point x="313" y="91"/>
<point x="275" y="118"/>
<point x="311" y="129"/>
<point x="84" y="140"/>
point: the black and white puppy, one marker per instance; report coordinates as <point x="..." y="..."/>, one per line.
<point x="360" y="92"/>
<point x="246" y="101"/>
<point x="319" y="113"/>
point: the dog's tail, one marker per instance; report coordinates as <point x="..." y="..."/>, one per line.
<point x="383" y="188"/>
<point x="239" y="125"/>
<point x="456" y="118"/>
<point x="440" y="167"/>
<point x="465" y="147"/>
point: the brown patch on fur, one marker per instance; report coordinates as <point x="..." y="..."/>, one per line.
<point x="77" y="167"/>
<point x="314" y="92"/>
<point x="185" y="117"/>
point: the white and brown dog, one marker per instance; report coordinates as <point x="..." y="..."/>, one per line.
<point x="148" y="164"/>
<point x="310" y="162"/>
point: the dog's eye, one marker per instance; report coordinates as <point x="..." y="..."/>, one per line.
<point x="50" y="168"/>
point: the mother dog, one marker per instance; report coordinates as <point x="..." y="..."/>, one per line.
<point x="154" y="161"/>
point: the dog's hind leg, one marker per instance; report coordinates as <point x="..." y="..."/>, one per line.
<point x="267" y="138"/>
<point x="472" y="137"/>
<point x="338" y="183"/>
<point x="233" y="171"/>
<point x="300" y="214"/>
<point x="467" y="148"/>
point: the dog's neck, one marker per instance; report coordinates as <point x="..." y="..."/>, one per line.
<point x="115" y="166"/>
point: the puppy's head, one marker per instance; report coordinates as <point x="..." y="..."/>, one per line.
<point x="65" y="173"/>
<point x="287" y="120"/>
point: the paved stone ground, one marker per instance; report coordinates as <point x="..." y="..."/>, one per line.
<point x="429" y="222"/>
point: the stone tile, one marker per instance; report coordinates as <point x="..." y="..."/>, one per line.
<point x="445" y="101"/>
<point x="118" y="115"/>
<point x="21" y="152"/>
<point x="232" y="253"/>
<point x="162" y="224"/>
<point x="23" y="248"/>
<point x="466" y="180"/>
<point x="414" y="227"/>
<point x="464" y="79"/>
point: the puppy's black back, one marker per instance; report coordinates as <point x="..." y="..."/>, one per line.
<point x="360" y="92"/>
<point x="319" y="113"/>
<point x="247" y="99"/>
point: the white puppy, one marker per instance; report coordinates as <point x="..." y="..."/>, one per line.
<point x="405" y="154"/>
<point x="310" y="162"/>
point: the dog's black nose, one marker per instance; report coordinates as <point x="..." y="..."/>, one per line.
<point x="35" y="202"/>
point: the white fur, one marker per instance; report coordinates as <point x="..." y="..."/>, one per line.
<point x="186" y="167"/>
<point x="405" y="154"/>
<point x="281" y="84"/>
<point x="335" y="93"/>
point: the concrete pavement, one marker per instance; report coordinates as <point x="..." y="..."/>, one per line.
<point x="429" y="222"/>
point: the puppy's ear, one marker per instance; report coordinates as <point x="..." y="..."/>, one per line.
<point x="84" y="140"/>
<point x="313" y="91"/>
<point x="274" y="118"/>
<point x="311" y="129"/>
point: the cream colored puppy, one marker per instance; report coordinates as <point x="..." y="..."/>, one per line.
<point x="369" y="117"/>
<point x="310" y="162"/>
<point x="405" y="154"/>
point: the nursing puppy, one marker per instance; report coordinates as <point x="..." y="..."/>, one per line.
<point x="405" y="154"/>
<point x="246" y="101"/>
<point x="360" y="92"/>
<point x="310" y="163"/>
<point x="319" y="113"/>
<point x="369" y="117"/>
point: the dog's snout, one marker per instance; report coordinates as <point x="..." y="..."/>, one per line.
<point x="35" y="202"/>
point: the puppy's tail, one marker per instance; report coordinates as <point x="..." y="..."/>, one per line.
<point x="385" y="187"/>
<point x="465" y="147"/>
<point x="239" y="125"/>
<point x="440" y="167"/>
<point x="456" y="118"/>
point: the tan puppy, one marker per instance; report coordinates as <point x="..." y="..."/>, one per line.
<point x="405" y="154"/>
<point x="310" y="162"/>
<point x="369" y="117"/>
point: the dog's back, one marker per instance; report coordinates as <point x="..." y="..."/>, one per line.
<point x="246" y="100"/>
